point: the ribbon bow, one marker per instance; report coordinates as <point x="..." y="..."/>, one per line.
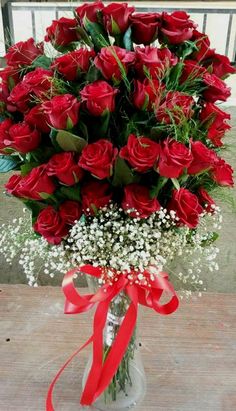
<point x="101" y="373"/>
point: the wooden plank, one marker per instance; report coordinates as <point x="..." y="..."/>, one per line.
<point x="189" y="357"/>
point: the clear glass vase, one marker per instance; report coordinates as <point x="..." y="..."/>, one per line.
<point x="128" y="386"/>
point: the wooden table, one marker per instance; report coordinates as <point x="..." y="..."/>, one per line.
<point x="189" y="357"/>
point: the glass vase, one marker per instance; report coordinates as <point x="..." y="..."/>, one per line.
<point x="128" y="386"/>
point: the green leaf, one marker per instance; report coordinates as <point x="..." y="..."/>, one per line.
<point x="127" y="40"/>
<point x="123" y="175"/>
<point x="35" y="207"/>
<point x="27" y="167"/>
<point x="84" y="36"/>
<point x="157" y="188"/>
<point x="98" y="34"/>
<point x="105" y="118"/>
<point x="72" y="193"/>
<point x="212" y="237"/>
<point x="42" y="61"/>
<point x="7" y="163"/>
<point x="93" y="74"/>
<point x="175" y="183"/>
<point x="70" y="142"/>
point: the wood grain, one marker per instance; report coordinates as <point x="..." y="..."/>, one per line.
<point x="189" y="357"/>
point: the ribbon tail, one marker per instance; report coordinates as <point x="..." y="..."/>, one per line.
<point x="49" y="400"/>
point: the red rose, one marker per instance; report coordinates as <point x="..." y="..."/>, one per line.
<point x="98" y="158"/>
<point x="13" y="184"/>
<point x="110" y="58"/>
<point x="116" y="17"/>
<point x="62" y="111"/>
<point x="20" y="97"/>
<point x="216" y="89"/>
<point x="203" y="44"/>
<point x="62" y="32"/>
<point x="99" y="97"/>
<point x="203" y="158"/>
<point x="71" y="65"/>
<point x="10" y="76"/>
<point x="146" y="94"/>
<point x="176" y="27"/>
<point x="65" y="168"/>
<point x="36" y="118"/>
<point x="23" y="53"/>
<point x="140" y="152"/>
<point x="144" y="27"/>
<point x="23" y="138"/>
<point x="35" y="183"/>
<point x="191" y="71"/>
<point x="50" y="225"/>
<point x="95" y="195"/>
<point x="206" y="201"/>
<point x="220" y="65"/>
<point x="186" y="206"/>
<point x="176" y="107"/>
<point x="137" y="198"/>
<point x="89" y="11"/>
<point x="174" y="158"/>
<point x="39" y="81"/>
<point x="70" y="211"/>
<point x="4" y="134"/>
<point x="155" y="61"/>
<point x="215" y="120"/>
<point x="222" y="173"/>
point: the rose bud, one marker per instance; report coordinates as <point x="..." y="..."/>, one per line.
<point x="220" y="65"/>
<point x="203" y="44"/>
<point x="146" y="94"/>
<point x="23" y="53"/>
<point x="116" y="17"/>
<point x="4" y="134"/>
<point x="203" y="158"/>
<point x="99" y="97"/>
<point x="191" y="71"/>
<point x="155" y="61"/>
<point x="20" y="97"/>
<point x="186" y="206"/>
<point x="89" y="11"/>
<point x="176" y="27"/>
<point x="50" y="225"/>
<point x="107" y="62"/>
<point x="62" y="111"/>
<point x="39" y="81"/>
<point x="205" y="200"/>
<point x="144" y="27"/>
<point x="70" y="211"/>
<point x="215" y="121"/>
<point x="37" y="182"/>
<point x="65" y="168"/>
<point x="13" y="185"/>
<point x="216" y="89"/>
<point x="141" y="153"/>
<point x="137" y="201"/>
<point x="98" y="158"/>
<point x="23" y="138"/>
<point x="222" y="173"/>
<point x="176" y="107"/>
<point x="174" y="158"/>
<point x="62" y="32"/>
<point x="71" y="65"/>
<point x="36" y="118"/>
<point x="95" y="195"/>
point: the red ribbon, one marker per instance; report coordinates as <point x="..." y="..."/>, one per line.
<point x="101" y="373"/>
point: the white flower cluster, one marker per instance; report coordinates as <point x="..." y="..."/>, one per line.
<point x="113" y="240"/>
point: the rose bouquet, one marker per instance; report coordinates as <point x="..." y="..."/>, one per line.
<point x="117" y="140"/>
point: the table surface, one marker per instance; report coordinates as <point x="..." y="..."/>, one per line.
<point x="189" y="357"/>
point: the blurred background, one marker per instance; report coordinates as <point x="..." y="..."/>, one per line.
<point x="21" y="20"/>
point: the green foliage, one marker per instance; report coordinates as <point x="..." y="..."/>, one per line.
<point x="99" y="36"/>
<point x="27" y="167"/>
<point x="35" y="207"/>
<point x="72" y="193"/>
<point x="8" y="163"/>
<point x="128" y="44"/>
<point x="67" y="141"/>
<point x="93" y="74"/>
<point x="42" y="61"/>
<point x="212" y="237"/>
<point x="123" y="174"/>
